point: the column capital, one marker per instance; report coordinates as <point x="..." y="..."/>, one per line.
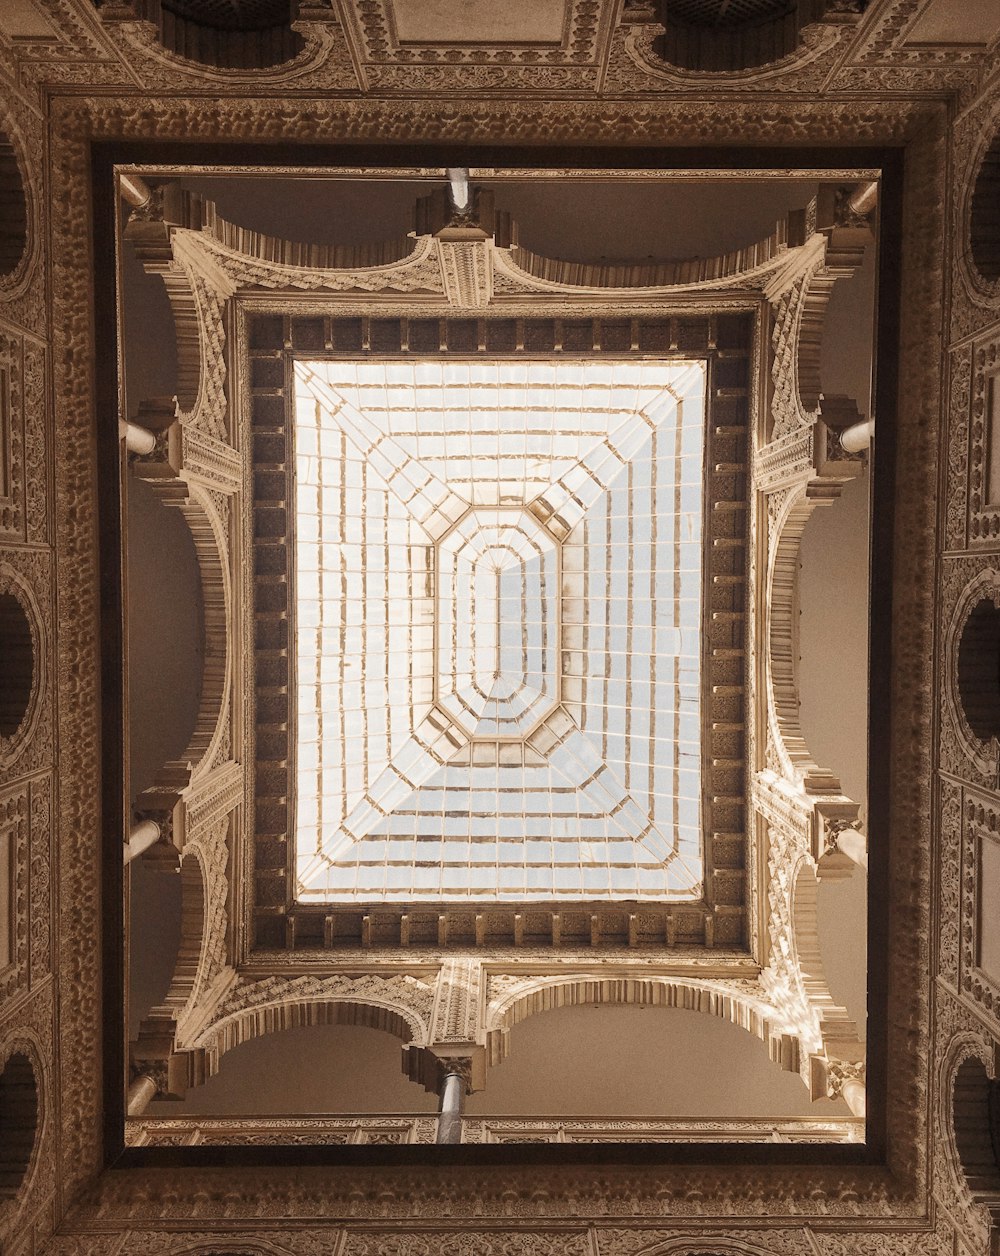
<point x="430" y="1065"/>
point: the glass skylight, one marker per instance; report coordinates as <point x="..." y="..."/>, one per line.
<point x="498" y="617"/>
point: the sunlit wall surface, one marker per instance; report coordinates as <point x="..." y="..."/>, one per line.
<point x="498" y="608"/>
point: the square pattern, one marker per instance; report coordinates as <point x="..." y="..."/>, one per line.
<point x="498" y="630"/>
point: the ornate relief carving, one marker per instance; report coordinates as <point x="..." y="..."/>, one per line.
<point x="24" y="575"/>
<point x="20" y="287"/>
<point x="382" y="45"/>
<point x="713" y="1242"/>
<point x="984" y="514"/>
<point x="800" y="304"/>
<point x="399" y="1003"/>
<point x="284" y="1131"/>
<point x="12" y="477"/>
<point x="744" y="1003"/>
<point x="78" y="688"/>
<point x="323" y="63"/>
<point x="300" y="1241"/>
<point x="984" y="290"/>
<point x="420" y="272"/>
<point x="961" y="1039"/>
<point x="14" y="834"/>
<point x="950" y="900"/>
<point x="39" y="878"/>
<point x="505" y="1129"/>
<point x="636" y="65"/>
<point x="457" y="1004"/>
<point x="975" y="302"/>
<point x="466" y="1242"/>
<point x="415" y="1193"/>
<point x="956" y="520"/>
<point x="29" y="1031"/>
<point x="962" y="752"/>
<point x="518" y="270"/>
<point x="981" y="823"/>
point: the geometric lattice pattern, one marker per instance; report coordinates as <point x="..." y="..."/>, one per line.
<point x="498" y="619"/>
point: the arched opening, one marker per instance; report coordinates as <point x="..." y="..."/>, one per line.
<point x="166" y="645"/>
<point x="976" y="1121"/>
<point x="228" y="34"/>
<point x="18" y="1122"/>
<point x="832" y="636"/>
<point x="13" y="209"/>
<point x="732" y="35"/>
<point x="327" y="1061"/>
<point x="568" y="1062"/>
<point x="18" y="654"/>
<point x="979" y="670"/>
<point x="156" y="913"/>
<point x="984" y="225"/>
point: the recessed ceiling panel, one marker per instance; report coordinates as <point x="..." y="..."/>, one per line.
<point x="478" y="21"/>
<point x="498" y="604"/>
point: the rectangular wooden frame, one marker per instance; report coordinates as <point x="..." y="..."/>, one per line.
<point x="725" y="341"/>
<point x="105" y="156"/>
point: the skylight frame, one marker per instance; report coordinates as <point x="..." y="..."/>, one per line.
<point x="723" y="336"/>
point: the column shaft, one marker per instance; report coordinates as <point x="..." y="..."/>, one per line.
<point x="138" y="440"/>
<point x="450" y="1110"/>
<point x="143" y="835"/>
<point x="854" y="1096"/>
<point x="141" y="1091"/>
<point x="858" y="436"/>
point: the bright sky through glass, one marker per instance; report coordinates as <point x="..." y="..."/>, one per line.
<point x="498" y="605"/>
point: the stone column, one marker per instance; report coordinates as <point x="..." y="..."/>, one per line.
<point x="141" y="1092"/>
<point x="138" y="440"/>
<point x="853" y="1091"/>
<point x="452" y="1094"/>
<point x="863" y="198"/>
<point x="144" y="833"/>
<point x="858" y="436"/>
<point x="134" y="189"/>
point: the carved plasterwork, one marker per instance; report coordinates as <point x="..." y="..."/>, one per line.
<point x="339" y="1131"/>
<point x="21" y="289"/>
<point x="398" y="1003"/>
<point x="973" y="1207"/>
<point x="389" y="62"/>
<point x="14" y="827"/>
<point x="635" y="63"/>
<point x="981" y="823"/>
<point x="467" y="1242"/>
<point x="472" y="269"/>
<point x="324" y="61"/>
<point x="984" y="515"/>
<point x="12" y="484"/>
<point x="982" y="290"/>
<point x="29" y="1031"/>
<point x="975" y="301"/>
<point x="610" y="1130"/>
<point x="24" y="575"/>
<point x="956" y="517"/>
<point x="744" y="1003"/>
<point x="419" y="273"/>
<point x="965" y="583"/>
<point x="194" y="1198"/>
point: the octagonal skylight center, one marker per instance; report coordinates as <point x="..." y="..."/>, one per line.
<point x="497" y="623"/>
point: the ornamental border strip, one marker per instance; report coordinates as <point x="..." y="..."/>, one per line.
<point x="725" y="342"/>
